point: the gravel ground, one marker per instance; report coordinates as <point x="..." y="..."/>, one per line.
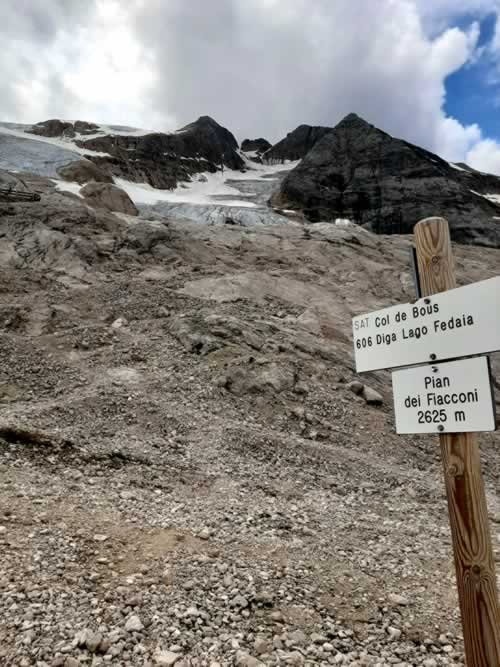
<point x="185" y="475"/>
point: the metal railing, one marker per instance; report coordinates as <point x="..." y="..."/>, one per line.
<point x="11" y="194"/>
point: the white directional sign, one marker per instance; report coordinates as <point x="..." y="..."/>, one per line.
<point x="452" y="397"/>
<point x="461" y="322"/>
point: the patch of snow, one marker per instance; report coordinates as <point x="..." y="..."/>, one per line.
<point x="495" y="198"/>
<point x="214" y="214"/>
<point x="117" y="130"/>
<point x="206" y="190"/>
<point x="15" y="126"/>
<point x="343" y="222"/>
<point x="67" y="186"/>
<point x="60" y="142"/>
<point x="246" y="176"/>
<point x="455" y="166"/>
<point x="255" y="171"/>
<point x="23" y="154"/>
<point x="103" y="129"/>
<point x="127" y="131"/>
<point x="195" y="192"/>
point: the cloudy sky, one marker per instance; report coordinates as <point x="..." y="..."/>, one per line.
<point x="424" y="70"/>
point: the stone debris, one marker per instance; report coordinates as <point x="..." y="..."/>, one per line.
<point x="151" y="514"/>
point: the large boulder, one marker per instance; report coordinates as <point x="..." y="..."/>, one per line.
<point x="358" y="172"/>
<point x="8" y="180"/>
<point x="271" y="377"/>
<point x="63" y="128"/>
<point x="83" y="127"/>
<point x="109" y="197"/>
<point x="53" y="128"/>
<point x="296" y="144"/>
<point x="205" y="137"/>
<point x="83" y="171"/>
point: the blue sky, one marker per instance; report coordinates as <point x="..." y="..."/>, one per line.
<point x="471" y="96"/>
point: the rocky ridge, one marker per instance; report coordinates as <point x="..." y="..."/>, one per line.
<point x="162" y="160"/>
<point x="60" y="128"/>
<point x="258" y="145"/>
<point x="296" y="144"/>
<point x="254" y="148"/>
<point x="358" y="172"/>
<point x="352" y="172"/>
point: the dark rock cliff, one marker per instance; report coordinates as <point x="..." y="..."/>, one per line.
<point x="61" y="128"/>
<point x="162" y="160"/>
<point x="159" y="159"/>
<point x="259" y="145"/>
<point x="296" y="144"/>
<point x="356" y="171"/>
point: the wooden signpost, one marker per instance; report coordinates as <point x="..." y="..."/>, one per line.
<point x="472" y="549"/>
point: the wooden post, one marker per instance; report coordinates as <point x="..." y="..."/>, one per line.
<point x="473" y="553"/>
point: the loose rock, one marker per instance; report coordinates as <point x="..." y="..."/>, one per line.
<point x="134" y="624"/>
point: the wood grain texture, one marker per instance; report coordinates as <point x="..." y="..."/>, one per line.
<point x="473" y="554"/>
<point x="434" y="256"/>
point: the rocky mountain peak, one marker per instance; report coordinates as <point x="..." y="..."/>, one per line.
<point x="353" y="124"/>
<point x="361" y="173"/>
<point x="202" y="121"/>
<point x="163" y="160"/>
<point x="207" y="120"/>
<point x="354" y="118"/>
<point x="208" y="127"/>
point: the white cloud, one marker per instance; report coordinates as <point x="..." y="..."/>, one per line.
<point x="436" y="15"/>
<point x="76" y="64"/>
<point x="454" y="141"/>
<point x="485" y="156"/>
<point x="264" y="66"/>
<point x="260" y="67"/>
